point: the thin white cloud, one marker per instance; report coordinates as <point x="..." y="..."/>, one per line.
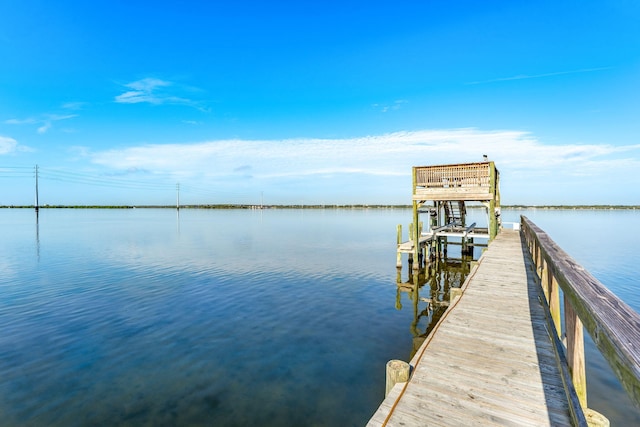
<point x="28" y="121"/>
<point x="10" y="145"/>
<point x="44" y="123"/>
<point x="78" y="105"/>
<point x="7" y="145"/>
<point x="396" y="105"/>
<point x="145" y="90"/>
<point x="80" y="151"/>
<point x="44" y="128"/>
<point x="381" y="155"/>
<point x="148" y="84"/>
<point x="377" y="168"/>
<point x="537" y="76"/>
<point x="154" y="91"/>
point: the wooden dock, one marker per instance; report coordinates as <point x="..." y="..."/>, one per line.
<point x="490" y="360"/>
<point x="509" y="350"/>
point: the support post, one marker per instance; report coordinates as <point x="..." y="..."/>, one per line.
<point x="554" y="304"/>
<point x="398" y="253"/>
<point x="545" y="279"/>
<point x="397" y="372"/>
<point x="575" y="352"/>
<point x="421" y="250"/>
<point x="493" y="220"/>
<point x="536" y="259"/>
<point x="415" y="236"/>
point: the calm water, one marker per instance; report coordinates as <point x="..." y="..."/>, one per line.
<point x="270" y="318"/>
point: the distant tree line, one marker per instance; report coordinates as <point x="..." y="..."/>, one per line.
<point x="301" y="206"/>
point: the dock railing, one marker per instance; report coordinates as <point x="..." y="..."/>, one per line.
<point x="465" y="181"/>
<point x="462" y="175"/>
<point x="588" y="304"/>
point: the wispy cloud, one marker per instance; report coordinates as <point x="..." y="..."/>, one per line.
<point x="145" y="90"/>
<point x="537" y="76"/>
<point x="155" y="91"/>
<point x="44" y="123"/>
<point x="396" y="105"/>
<point x="7" y="145"/>
<point x="382" y="155"/>
<point x="44" y="128"/>
<point x="79" y="151"/>
<point x="10" y="145"/>
<point x="77" y="105"/>
<point x="28" y="121"/>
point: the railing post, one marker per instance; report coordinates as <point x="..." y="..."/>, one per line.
<point x="575" y="352"/>
<point x="536" y="256"/>
<point x="554" y="303"/>
<point x="539" y="262"/>
<point x="544" y="279"/>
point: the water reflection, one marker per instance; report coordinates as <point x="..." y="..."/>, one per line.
<point x="428" y="293"/>
<point x="38" y="235"/>
<point x="124" y="321"/>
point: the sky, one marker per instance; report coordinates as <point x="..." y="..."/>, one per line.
<point x="332" y="102"/>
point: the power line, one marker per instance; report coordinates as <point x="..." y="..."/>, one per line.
<point x="102" y="180"/>
<point x="16" y="171"/>
<point x="149" y="182"/>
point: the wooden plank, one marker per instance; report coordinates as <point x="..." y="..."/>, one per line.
<point x="490" y="360"/>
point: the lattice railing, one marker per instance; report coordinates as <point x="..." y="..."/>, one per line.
<point x="451" y="176"/>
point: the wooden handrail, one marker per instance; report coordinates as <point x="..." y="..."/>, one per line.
<point x="457" y="175"/>
<point x="611" y="323"/>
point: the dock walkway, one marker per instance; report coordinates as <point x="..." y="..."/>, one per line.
<point x="490" y="360"/>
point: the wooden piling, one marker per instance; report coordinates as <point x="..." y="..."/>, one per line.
<point x="415" y="236"/>
<point x="398" y="253"/>
<point x="596" y="419"/>
<point x="454" y="293"/>
<point x="397" y="372"/>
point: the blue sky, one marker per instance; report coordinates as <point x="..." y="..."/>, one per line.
<point x="316" y="102"/>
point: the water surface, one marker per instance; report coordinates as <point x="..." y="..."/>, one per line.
<point x="211" y="317"/>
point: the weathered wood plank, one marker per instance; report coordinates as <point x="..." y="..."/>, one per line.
<point x="490" y="360"/>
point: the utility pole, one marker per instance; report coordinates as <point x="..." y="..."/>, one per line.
<point x="178" y="196"/>
<point x="37" y="203"/>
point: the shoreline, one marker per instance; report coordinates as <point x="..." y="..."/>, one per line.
<point x="334" y="206"/>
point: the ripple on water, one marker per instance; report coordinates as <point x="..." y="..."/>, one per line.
<point x="211" y="318"/>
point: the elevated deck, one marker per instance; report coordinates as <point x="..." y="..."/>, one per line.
<point x="441" y="192"/>
<point x="465" y="181"/>
<point x="490" y="360"/>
